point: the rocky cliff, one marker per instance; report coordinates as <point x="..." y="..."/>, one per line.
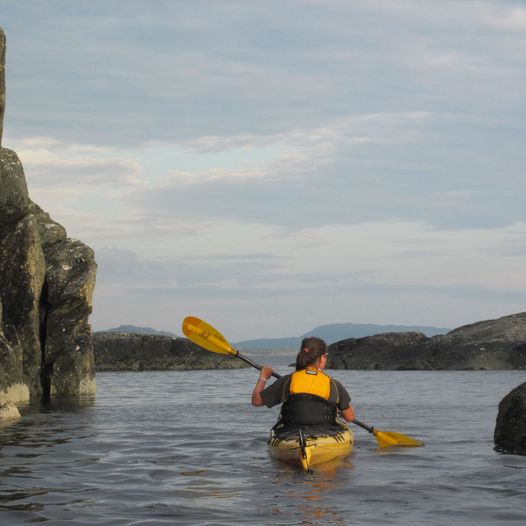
<point x="486" y="345"/>
<point x="46" y="286"/>
<point x="149" y="352"/>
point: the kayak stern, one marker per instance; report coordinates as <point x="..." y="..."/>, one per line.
<point x="305" y="449"/>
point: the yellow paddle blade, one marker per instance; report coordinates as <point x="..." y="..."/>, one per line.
<point x="392" y="438"/>
<point x="206" y="336"/>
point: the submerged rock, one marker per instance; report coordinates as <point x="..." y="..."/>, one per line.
<point x="9" y="412"/>
<point x="510" y="430"/>
<point x="148" y="352"/>
<point x="46" y="287"/>
<point x="13" y="388"/>
<point x="486" y="345"/>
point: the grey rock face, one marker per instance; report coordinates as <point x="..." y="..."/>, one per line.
<point x="487" y="345"/>
<point x="50" y="231"/>
<point x="510" y="430"/>
<point x="46" y="287"/>
<point x="148" y="352"/>
<point x="396" y="350"/>
<point x="14" y="199"/>
<point x="2" y="82"/>
<point x="507" y="329"/>
<point x="22" y="275"/>
<point x="67" y="353"/>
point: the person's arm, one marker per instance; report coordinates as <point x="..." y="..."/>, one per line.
<point x="348" y="414"/>
<point x="344" y="405"/>
<point x="264" y="375"/>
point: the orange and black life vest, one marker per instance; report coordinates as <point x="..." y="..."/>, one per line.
<point x="308" y="401"/>
<point x="310" y="381"/>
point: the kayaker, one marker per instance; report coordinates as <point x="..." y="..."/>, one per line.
<point x="310" y="397"/>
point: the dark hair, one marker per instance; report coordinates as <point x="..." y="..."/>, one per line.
<point x="311" y="349"/>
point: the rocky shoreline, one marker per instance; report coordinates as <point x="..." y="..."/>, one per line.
<point x="116" y="351"/>
<point x="487" y="345"/>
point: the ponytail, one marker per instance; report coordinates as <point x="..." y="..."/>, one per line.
<point x="311" y="349"/>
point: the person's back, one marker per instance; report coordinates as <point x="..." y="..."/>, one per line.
<point x="310" y="397"/>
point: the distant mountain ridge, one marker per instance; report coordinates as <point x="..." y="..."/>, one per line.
<point x="336" y="332"/>
<point x="133" y="329"/>
<point x="331" y="333"/>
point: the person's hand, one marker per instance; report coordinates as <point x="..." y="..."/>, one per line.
<point x="264" y="375"/>
<point x="266" y="372"/>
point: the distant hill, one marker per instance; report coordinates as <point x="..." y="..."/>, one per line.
<point x="269" y="343"/>
<point x="133" y="329"/>
<point x="336" y="332"/>
<point x="340" y="331"/>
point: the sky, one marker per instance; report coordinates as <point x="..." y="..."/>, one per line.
<point x="274" y="166"/>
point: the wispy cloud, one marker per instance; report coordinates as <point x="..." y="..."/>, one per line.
<point x="74" y="168"/>
<point x="332" y="273"/>
<point x="355" y="160"/>
<point x="510" y="18"/>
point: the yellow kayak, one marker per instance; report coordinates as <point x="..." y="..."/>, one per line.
<point x="311" y="447"/>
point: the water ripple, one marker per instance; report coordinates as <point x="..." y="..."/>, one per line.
<point x="189" y="449"/>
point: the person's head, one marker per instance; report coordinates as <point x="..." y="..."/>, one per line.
<point x="311" y="352"/>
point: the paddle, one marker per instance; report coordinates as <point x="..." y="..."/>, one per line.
<point x="212" y="340"/>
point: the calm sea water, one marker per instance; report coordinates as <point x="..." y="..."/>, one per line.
<point x="188" y="448"/>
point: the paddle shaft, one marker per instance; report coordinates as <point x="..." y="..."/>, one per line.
<point x="364" y="426"/>
<point x="254" y="364"/>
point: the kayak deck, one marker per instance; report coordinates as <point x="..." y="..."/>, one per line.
<point x="310" y="447"/>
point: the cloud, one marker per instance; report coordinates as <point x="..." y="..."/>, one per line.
<point x="327" y="274"/>
<point x="333" y="256"/>
<point x="124" y="266"/>
<point x="73" y="168"/>
<point x="218" y="174"/>
<point x="135" y="78"/>
<point x="83" y="186"/>
<point x="192" y="272"/>
<point x="511" y="18"/>
<point x="353" y="160"/>
<point x="368" y="167"/>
